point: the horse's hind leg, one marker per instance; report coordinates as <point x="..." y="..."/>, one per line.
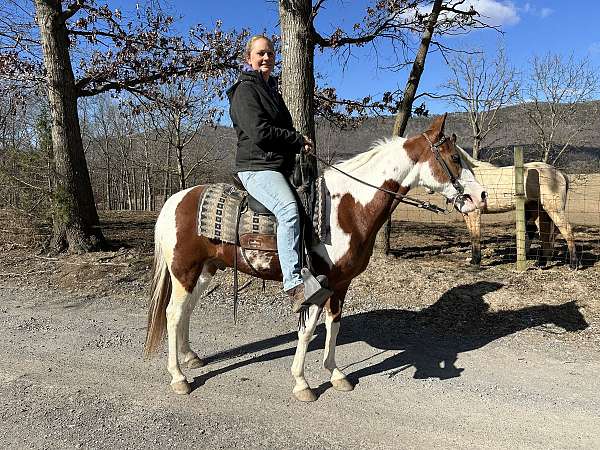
<point x="190" y="358"/>
<point x="177" y="310"/>
<point x="547" y="238"/>
<point x="181" y="305"/>
<point x="560" y="220"/>
<point x="531" y="228"/>
<point x="302" y="390"/>
<point x="333" y="312"/>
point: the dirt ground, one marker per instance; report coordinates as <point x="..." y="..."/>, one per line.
<point x="443" y="356"/>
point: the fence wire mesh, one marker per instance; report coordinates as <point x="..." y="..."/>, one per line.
<point x="415" y="232"/>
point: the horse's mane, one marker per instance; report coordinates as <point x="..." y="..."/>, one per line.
<point x="363" y="158"/>
<point x="470" y="161"/>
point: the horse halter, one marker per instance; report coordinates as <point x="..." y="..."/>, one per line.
<point x="435" y="148"/>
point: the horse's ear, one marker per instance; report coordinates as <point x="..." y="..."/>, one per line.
<point x="453" y="138"/>
<point x="438" y="125"/>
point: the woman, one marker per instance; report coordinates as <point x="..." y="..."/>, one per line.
<point x="266" y="151"/>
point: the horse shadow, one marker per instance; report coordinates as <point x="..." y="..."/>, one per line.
<point x="428" y="340"/>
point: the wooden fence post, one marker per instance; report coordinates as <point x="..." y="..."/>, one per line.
<point x="520" y="209"/>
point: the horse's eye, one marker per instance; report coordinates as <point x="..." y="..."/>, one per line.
<point x="456" y="159"/>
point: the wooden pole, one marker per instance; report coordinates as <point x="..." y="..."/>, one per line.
<point x="520" y="209"/>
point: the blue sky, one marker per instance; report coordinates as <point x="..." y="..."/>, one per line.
<point x="532" y="27"/>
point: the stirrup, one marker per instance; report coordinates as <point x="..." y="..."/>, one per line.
<point x="316" y="289"/>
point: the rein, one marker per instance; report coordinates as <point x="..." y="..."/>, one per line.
<point x="396" y="195"/>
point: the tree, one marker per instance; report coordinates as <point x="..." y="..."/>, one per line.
<point x="480" y="88"/>
<point x="23" y="156"/>
<point x="133" y="55"/>
<point x="394" y="21"/>
<point x="550" y="100"/>
<point x="179" y="111"/>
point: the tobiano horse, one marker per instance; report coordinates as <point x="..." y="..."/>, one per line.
<point x="546" y="190"/>
<point x="184" y="262"/>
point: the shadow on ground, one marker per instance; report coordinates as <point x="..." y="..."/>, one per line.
<point x="429" y="340"/>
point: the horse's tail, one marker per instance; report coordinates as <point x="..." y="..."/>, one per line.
<point x="160" y="292"/>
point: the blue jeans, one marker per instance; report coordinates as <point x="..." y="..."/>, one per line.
<point x="274" y="192"/>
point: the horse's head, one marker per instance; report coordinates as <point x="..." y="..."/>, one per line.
<point x="444" y="171"/>
<point x="567" y="316"/>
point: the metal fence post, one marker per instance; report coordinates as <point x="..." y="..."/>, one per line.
<point x="520" y="209"/>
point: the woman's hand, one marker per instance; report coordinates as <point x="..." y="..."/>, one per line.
<point x="308" y="146"/>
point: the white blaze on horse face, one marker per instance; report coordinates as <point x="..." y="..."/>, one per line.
<point x="467" y="180"/>
<point x="474" y="191"/>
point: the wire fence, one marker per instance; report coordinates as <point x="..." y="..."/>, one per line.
<point x="418" y="233"/>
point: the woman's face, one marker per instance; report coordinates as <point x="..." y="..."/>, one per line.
<point x="262" y="57"/>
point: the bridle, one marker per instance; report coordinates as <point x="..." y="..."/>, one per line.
<point x="405" y="198"/>
<point x="435" y="148"/>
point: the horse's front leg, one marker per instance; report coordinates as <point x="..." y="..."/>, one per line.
<point x="302" y="390"/>
<point x="333" y="314"/>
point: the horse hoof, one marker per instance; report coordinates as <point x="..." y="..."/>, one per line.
<point x="195" y="363"/>
<point x="181" y="388"/>
<point x="575" y="264"/>
<point x="342" y="384"/>
<point x="305" y="395"/>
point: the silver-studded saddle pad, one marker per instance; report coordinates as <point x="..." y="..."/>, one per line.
<point x="218" y="210"/>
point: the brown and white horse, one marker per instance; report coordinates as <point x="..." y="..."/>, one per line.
<point x="185" y="262"/>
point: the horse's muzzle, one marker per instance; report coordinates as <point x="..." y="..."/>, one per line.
<point x="465" y="203"/>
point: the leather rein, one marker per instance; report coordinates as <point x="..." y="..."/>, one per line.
<point x="405" y="198"/>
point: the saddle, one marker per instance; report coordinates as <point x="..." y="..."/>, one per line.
<point x="228" y="213"/>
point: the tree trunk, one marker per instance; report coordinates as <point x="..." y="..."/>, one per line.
<point x="180" y="168"/>
<point x="147" y="189"/>
<point x="546" y="155"/>
<point x="108" y="206"/>
<point x="476" y="146"/>
<point x="414" y="78"/>
<point x="167" y="182"/>
<point x="136" y="195"/>
<point x="297" y="54"/>
<point x="74" y="215"/>
<point x="474" y="119"/>
<point x="129" y="192"/>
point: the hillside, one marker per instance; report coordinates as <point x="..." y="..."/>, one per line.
<point x="514" y="130"/>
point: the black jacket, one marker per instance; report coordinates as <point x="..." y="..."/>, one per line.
<point x="266" y="136"/>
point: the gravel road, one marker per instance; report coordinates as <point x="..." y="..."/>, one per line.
<point x="72" y="375"/>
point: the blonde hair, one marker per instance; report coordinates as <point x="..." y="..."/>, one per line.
<point x="251" y="42"/>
